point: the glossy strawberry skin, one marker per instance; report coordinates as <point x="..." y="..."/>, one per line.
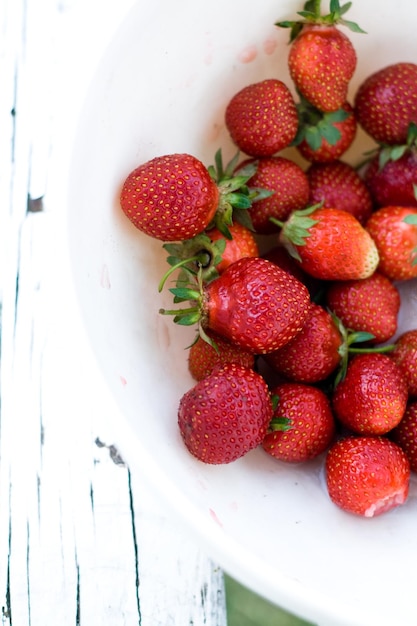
<point x="372" y="398"/>
<point x="322" y="61"/>
<point x="204" y="357"/>
<point x="225" y="415"/>
<point x="405" y="434"/>
<point x="290" y="188"/>
<point x="256" y="305"/>
<point x="338" y="185"/>
<point x="405" y="356"/>
<point x="329" y="152"/>
<point x="393" y="184"/>
<point x="370" y="305"/>
<point x="386" y="103"/>
<point x="262" y="118"/>
<point x="313" y="354"/>
<point x="367" y="476"/>
<point x="396" y="241"/>
<point x="170" y="198"/>
<point x="337" y="248"/>
<point x="311" y="428"/>
<point x="243" y="244"/>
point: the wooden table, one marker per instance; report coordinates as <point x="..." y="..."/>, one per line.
<point x="82" y="540"/>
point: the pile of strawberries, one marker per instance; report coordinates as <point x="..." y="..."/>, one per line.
<point x="291" y="273"/>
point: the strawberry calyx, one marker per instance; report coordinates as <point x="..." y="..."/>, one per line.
<point x="348" y="346"/>
<point x="282" y="424"/>
<point x="311" y="15"/>
<point x="235" y="196"/>
<point x="394" y="152"/>
<point x="190" y="256"/>
<point x="296" y="229"/>
<point x="314" y="125"/>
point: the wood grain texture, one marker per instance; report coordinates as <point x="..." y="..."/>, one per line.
<point x="82" y="540"/>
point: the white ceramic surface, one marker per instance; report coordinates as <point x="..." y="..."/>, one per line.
<point x="162" y="87"/>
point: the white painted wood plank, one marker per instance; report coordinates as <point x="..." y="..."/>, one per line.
<point x="77" y="534"/>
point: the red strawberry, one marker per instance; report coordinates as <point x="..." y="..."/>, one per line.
<point x="372" y="397"/>
<point x="367" y="476"/>
<point x="405" y="356"/>
<point x="225" y="415"/>
<point x="322" y="59"/>
<point x="309" y="428"/>
<point x="262" y="118"/>
<point x="289" y="185"/>
<point x="254" y="304"/>
<point x="338" y="185"/>
<point x="391" y="175"/>
<point x="170" y="198"/>
<point x="331" y="244"/>
<point x="405" y="434"/>
<point x="394" y="231"/>
<point x="242" y="244"/>
<point x="370" y="305"/>
<point x="203" y="357"/>
<point x="386" y="103"/>
<point x="281" y="257"/>
<point x="325" y="137"/>
<point x="314" y="353"/>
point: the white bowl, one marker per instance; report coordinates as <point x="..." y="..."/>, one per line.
<point x="162" y="87"/>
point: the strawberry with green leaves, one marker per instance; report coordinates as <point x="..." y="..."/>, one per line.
<point x="262" y="118"/>
<point x="254" y="304"/>
<point x="204" y="356"/>
<point x="175" y="197"/>
<point x="338" y="185"/>
<point x="372" y="397"/>
<point x="405" y="434"/>
<point x="405" y="356"/>
<point x="324" y="137"/>
<point x="330" y="244"/>
<point x="367" y="476"/>
<point x="216" y="425"/>
<point x="302" y="426"/>
<point x="322" y="59"/>
<point x="370" y="304"/>
<point x="289" y="189"/>
<point x="386" y="103"/>
<point x="391" y="174"/>
<point x="321" y="349"/>
<point x="394" y="231"/>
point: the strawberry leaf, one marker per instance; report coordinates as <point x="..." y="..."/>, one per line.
<point x="280" y="423"/>
<point x="411" y="219"/>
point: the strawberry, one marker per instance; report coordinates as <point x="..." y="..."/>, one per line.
<point x="324" y="137"/>
<point x="203" y="357"/>
<point x="309" y="426"/>
<point x="372" y="397"/>
<point x="405" y="434"/>
<point x="262" y="118"/>
<point x="371" y="305"/>
<point x="394" y="231"/>
<point x="175" y="197"/>
<point x="386" y="102"/>
<point x="289" y="185"/>
<point x="322" y="59"/>
<point x="330" y="244"/>
<point x="405" y="356"/>
<point x="391" y="175"/>
<point x="367" y="476"/>
<point x="314" y="353"/>
<point x="254" y="304"/>
<point x="225" y="415"/>
<point x="338" y="185"/>
<point x="170" y="197"/>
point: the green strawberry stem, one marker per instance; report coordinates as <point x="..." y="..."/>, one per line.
<point x="196" y="259"/>
<point x="346" y="349"/>
<point x="296" y="229"/>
